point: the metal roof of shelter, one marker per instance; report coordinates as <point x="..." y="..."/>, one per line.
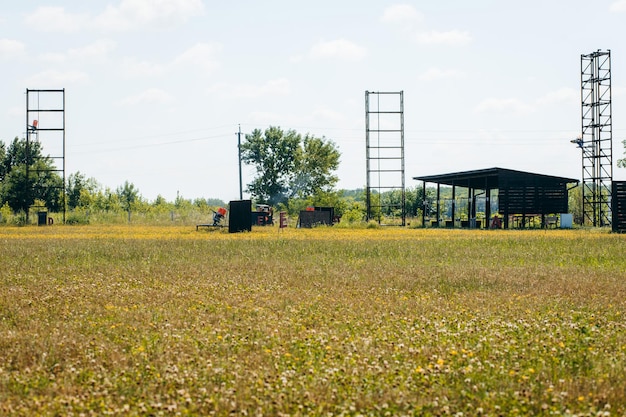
<point x="519" y="193"/>
<point x="490" y="178"/>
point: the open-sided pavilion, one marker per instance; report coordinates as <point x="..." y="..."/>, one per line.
<point x="520" y="194"/>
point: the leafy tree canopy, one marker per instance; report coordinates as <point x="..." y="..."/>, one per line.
<point x="27" y="175"/>
<point x="289" y="165"/>
<point x="79" y="190"/>
<point x="128" y="194"/>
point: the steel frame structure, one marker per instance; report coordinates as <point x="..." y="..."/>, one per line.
<point x="44" y="127"/>
<point x="596" y="140"/>
<point x="384" y="137"/>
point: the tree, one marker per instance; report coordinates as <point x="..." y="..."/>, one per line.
<point x="289" y="166"/>
<point x="575" y="204"/>
<point x="26" y="175"/>
<point x="274" y="155"/>
<point x="106" y="200"/>
<point x="79" y="190"/>
<point x="160" y="201"/>
<point x="319" y="158"/>
<point x="3" y="153"/>
<point x="128" y="195"/>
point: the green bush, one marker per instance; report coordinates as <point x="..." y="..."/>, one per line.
<point x="5" y="213"/>
<point x="19" y="219"/>
<point x="353" y="215"/>
<point x="77" y="218"/>
<point x="372" y="224"/>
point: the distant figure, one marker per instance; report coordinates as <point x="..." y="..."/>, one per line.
<point x="496" y="223"/>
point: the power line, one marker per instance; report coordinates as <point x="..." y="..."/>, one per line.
<point x="155" y="136"/>
<point x="152" y="145"/>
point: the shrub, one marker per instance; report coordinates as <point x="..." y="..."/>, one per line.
<point x="77" y="218"/>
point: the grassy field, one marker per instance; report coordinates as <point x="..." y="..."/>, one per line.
<point x="139" y="320"/>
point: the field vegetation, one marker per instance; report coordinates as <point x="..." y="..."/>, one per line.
<point x="167" y="320"/>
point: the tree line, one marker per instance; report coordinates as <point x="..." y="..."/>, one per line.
<point x="293" y="171"/>
<point x="29" y="179"/>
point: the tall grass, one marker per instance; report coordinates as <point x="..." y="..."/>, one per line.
<point x="145" y="320"/>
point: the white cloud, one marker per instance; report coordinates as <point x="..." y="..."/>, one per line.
<point x="408" y="19"/>
<point x="217" y="88"/>
<point x="56" y="19"/>
<point x="139" y="69"/>
<point x="326" y="114"/>
<point x="452" y="38"/>
<point x="201" y="56"/>
<point x="503" y="105"/>
<point x="10" y="48"/>
<point x="559" y="97"/>
<point x="127" y="15"/>
<point x="133" y="14"/>
<point x="618" y="6"/>
<point x="296" y="59"/>
<point x="401" y="13"/>
<point x="53" y="57"/>
<point x="56" y="79"/>
<point x="266" y="118"/>
<point x="97" y="50"/>
<point x="151" y="95"/>
<point x="562" y="95"/>
<point x="439" y="74"/>
<point x="339" y="48"/>
<point x="277" y="87"/>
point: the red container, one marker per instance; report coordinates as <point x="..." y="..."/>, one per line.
<point x="222" y="211"/>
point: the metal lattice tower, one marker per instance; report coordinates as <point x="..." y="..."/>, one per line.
<point x="45" y="123"/>
<point x="384" y="135"/>
<point x="596" y="139"/>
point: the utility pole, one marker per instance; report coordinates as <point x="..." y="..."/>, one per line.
<point x="239" y="148"/>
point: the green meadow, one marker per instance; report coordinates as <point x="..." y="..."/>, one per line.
<point x="141" y="320"/>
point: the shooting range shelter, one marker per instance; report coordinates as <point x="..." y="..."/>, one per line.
<point x="521" y="195"/>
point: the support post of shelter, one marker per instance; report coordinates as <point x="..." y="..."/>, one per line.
<point x="505" y="213"/>
<point x="424" y="204"/>
<point x="453" y="204"/>
<point x="470" y="195"/>
<point x="474" y="207"/>
<point x="487" y="206"/>
<point x="438" y="203"/>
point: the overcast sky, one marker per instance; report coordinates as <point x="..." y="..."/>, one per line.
<point x="156" y="89"/>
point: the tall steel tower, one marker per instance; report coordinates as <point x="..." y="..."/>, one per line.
<point x="45" y="123"/>
<point x="596" y="140"/>
<point x="384" y="135"/>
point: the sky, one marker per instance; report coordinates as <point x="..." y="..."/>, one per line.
<point x="156" y="90"/>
